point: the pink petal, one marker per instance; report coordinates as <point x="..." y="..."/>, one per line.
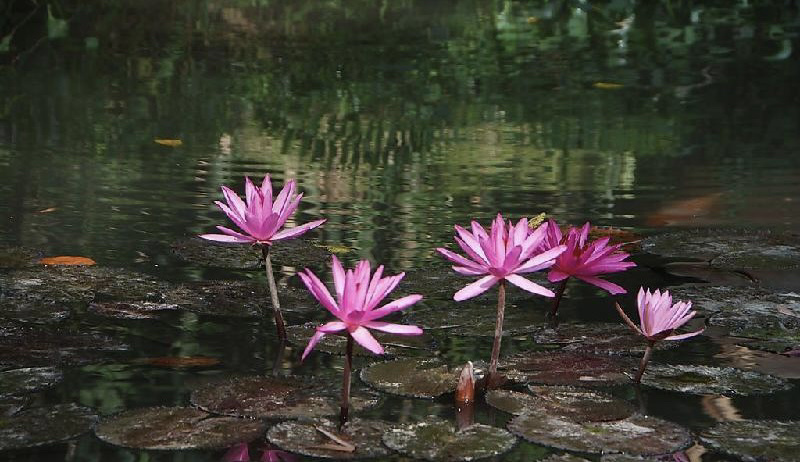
<point x="397" y="305"/>
<point x="683" y="336"/>
<point x="476" y="288"/>
<point x="399" y="329"/>
<point x="365" y="339"/>
<point x="469" y="271"/>
<point x="320" y="292"/>
<point x="545" y="259"/>
<point x="459" y="260"/>
<point x="603" y="284"/>
<point x="234" y="217"/>
<point x="234" y="201"/>
<point x="332" y="327"/>
<point x="227" y="238"/>
<point x="312" y="343"/>
<point x="251" y="195"/>
<point x="338" y="277"/>
<point x="555" y="275"/>
<point x="532" y="287"/>
<point x="237" y="453"/>
<point x="291" y="233"/>
<point x="266" y="191"/>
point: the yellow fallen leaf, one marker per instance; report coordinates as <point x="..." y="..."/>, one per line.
<point x="607" y="85"/>
<point x="47" y="210"/>
<point x="532" y="19"/>
<point x="171" y="143"/>
<point x="67" y="260"/>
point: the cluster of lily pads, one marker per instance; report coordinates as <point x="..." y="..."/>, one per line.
<point x="551" y="392"/>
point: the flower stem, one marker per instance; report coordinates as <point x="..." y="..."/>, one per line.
<point x="498" y="332"/>
<point x="280" y="325"/>
<point x="348" y="366"/>
<point x="557" y="299"/>
<point x="645" y="359"/>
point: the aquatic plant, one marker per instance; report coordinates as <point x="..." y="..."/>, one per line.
<point x="358" y="293"/>
<point x="658" y="319"/>
<point x="583" y="260"/>
<point x="261" y="220"/>
<point x="502" y="254"/>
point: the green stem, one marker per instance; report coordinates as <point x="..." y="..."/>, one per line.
<point x="280" y="325"/>
<point x="645" y="359"/>
<point x="557" y="300"/>
<point x="348" y="367"/>
<point x="498" y="331"/>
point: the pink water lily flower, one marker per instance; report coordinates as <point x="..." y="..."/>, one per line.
<point x="504" y="253"/>
<point x="358" y="293"/>
<point x="260" y="218"/>
<point x="585" y="260"/>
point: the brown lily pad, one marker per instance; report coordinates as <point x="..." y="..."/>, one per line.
<point x="175" y="428"/>
<point x="28" y="380"/>
<point x="417" y="378"/>
<point x="12" y="404"/>
<point x="394" y="345"/>
<point x="708" y="380"/>
<point x="756" y="440"/>
<point x="579" y="405"/>
<point x="17" y="257"/>
<point x="638" y="434"/>
<point x="294" y="252"/>
<point x="41" y="426"/>
<point x="237" y="298"/>
<point x="438" y="440"/>
<point x="310" y="439"/>
<point x="132" y="310"/>
<point x="598" y="338"/>
<point x="567" y="368"/>
<point x="273" y="397"/>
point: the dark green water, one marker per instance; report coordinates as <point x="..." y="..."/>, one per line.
<point x="398" y="119"/>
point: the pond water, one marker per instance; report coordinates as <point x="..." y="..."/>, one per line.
<point x="119" y="122"/>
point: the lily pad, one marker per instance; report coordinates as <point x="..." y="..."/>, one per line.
<point x="294" y="252"/>
<point x="564" y="458"/>
<point x="394" y="345"/>
<point x="307" y="439"/>
<point x="438" y="440"/>
<point x="173" y="428"/>
<point x="756" y="440"/>
<point x="12" y="404"/>
<point x="704" y="380"/>
<point x="638" y="434"/>
<point x="41" y="426"/>
<point x="567" y="368"/>
<point x="34" y="311"/>
<point x="738" y="249"/>
<point x="599" y="338"/>
<point x="272" y="397"/>
<point x="28" y="380"/>
<point x="417" y="378"/>
<point x="579" y="405"/>
<point x="476" y="319"/>
<point x="17" y="257"/>
<point x="132" y="310"/>
<point x="237" y="298"/>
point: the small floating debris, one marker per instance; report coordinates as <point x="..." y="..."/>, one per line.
<point x="176" y="428"/>
<point x="295" y="252"/>
<point x="756" y="440"/>
<point x="275" y="398"/>
<point x="358" y="439"/>
<point x="704" y="380"/>
<point x="41" y="426"/>
<point x="437" y="440"/>
<point x="417" y="378"/>
<point x="635" y="435"/>
<point x="335" y="344"/>
<point x="576" y="404"/>
<point x="567" y="368"/>
<point x="28" y="380"/>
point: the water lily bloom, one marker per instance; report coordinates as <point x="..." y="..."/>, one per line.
<point x="504" y="253"/>
<point x="584" y="260"/>
<point x="658" y="319"/>
<point x="260" y="218"/>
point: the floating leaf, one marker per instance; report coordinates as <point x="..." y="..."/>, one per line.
<point x="567" y="368"/>
<point x="17" y="257"/>
<point x="418" y="378"/>
<point x="133" y="310"/>
<point x="638" y="434"/>
<point x="756" y="440"/>
<point x="26" y="345"/>
<point x="47" y="210"/>
<point x="273" y="397"/>
<point x="394" y="345"/>
<point x="711" y="380"/>
<point x="438" y="440"/>
<point x="293" y="252"/>
<point x="599" y="338"/>
<point x="314" y="438"/>
<point x="170" y="143"/>
<point x="41" y="426"/>
<point x="174" y="428"/>
<point x="607" y="85"/>
<point x="576" y="404"/>
<point x="28" y="380"/>
<point x="237" y="298"/>
<point x="11" y="404"/>
<point x="67" y="261"/>
<point x="180" y="362"/>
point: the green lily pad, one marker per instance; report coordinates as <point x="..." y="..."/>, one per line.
<point x="394" y="345"/>
<point x="42" y="426"/>
<point x="567" y="368"/>
<point x="704" y="380"/>
<point x="598" y="338"/>
<point x="131" y="310"/>
<point x="294" y="252"/>
<point x="471" y="319"/>
<point x="417" y="378"/>
<point x="638" y="434"/>
<point x="579" y="405"/>
<point x="175" y="428"/>
<point x="273" y="397"/>
<point x="756" y="440"/>
<point x="438" y="440"/>
<point x="306" y="438"/>
<point x="26" y="345"/>
<point x="238" y="298"/>
<point x="28" y="380"/>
